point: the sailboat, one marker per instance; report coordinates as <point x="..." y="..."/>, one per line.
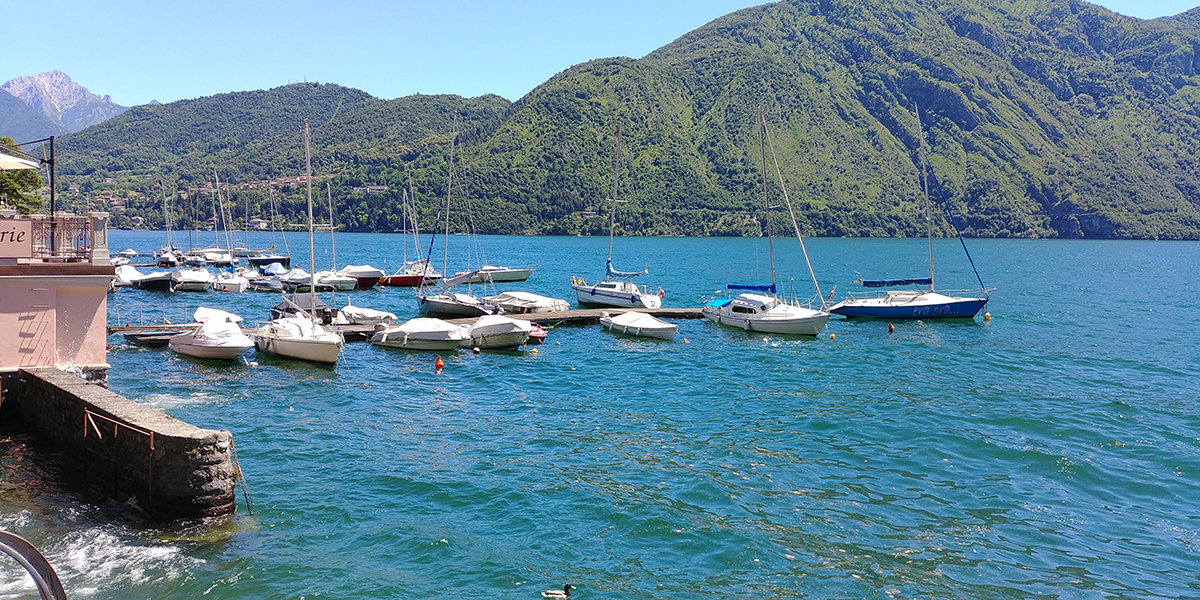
<point x="332" y="279"/>
<point x="415" y="272"/>
<point x="302" y="336"/>
<point x="449" y="304"/>
<point x="916" y="303"/>
<point x="615" y="290"/>
<point x="758" y="307"/>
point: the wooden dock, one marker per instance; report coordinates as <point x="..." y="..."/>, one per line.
<point x="362" y="333"/>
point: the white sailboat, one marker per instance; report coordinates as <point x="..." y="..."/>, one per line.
<point x="758" y="307"/>
<point x="616" y="289"/>
<point x="301" y="336"/>
<point x="446" y="303"/>
<point x="915" y="303"/>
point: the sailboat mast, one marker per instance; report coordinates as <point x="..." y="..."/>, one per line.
<point x="925" y="183"/>
<point x="312" y="260"/>
<point x="166" y="215"/>
<point x="449" y="180"/>
<point x="762" y="151"/>
<point x="332" y="226"/>
<point x="612" y="215"/>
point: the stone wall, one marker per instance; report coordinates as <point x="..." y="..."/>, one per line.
<point x="123" y="449"/>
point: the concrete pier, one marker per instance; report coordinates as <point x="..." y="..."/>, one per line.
<point x="122" y="449"/>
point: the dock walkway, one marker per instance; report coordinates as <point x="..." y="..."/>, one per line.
<point x="362" y="333"/>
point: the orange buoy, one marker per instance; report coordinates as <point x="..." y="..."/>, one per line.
<point x="891" y="328"/>
<point x="685" y="340"/>
<point x="439" y="364"/>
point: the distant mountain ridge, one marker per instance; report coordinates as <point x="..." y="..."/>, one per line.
<point x="1044" y="118"/>
<point x="66" y="103"/>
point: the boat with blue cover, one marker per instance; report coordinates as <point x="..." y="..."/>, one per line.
<point x="759" y="307"/>
<point x="917" y="303"/>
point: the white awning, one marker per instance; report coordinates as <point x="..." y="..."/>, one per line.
<point x="13" y="163"/>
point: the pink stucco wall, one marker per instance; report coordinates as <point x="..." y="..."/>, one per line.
<point x="50" y="320"/>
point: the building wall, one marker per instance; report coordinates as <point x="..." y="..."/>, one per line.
<point x="53" y="315"/>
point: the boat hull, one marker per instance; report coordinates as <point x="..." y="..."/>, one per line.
<point x="156" y="283"/>
<point x="876" y="308"/>
<point x="593" y="296"/>
<point x="511" y="339"/>
<point x="182" y="344"/>
<point x="417" y="343"/>
<point x="790" y="326"/>
<point x="444" y="309"/>
<point x="309" y="350"/>
<point x="500" y="276"/>
<point x="658" y="333"/>
<point x="406" y="280"/>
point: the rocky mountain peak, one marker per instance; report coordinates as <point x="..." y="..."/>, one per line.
<point x="64" y="101"/>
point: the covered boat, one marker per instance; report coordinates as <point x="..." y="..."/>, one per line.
<point x="639" y="324"/>
<point x="219" y="336"/>
<point x="196" y="279"/>
<point x="525" y="303"/>
<point x="366" y="275"/>
<point x="158" y="281"/>
<point x="421" y="333"/>
<point x="311" y="304"/>
<point x="493" y="274"/>
<point x="358" y="315"/>
<point x="497" y="331"/>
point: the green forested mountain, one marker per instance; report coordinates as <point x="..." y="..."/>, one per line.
<point x="1048" y="118"/>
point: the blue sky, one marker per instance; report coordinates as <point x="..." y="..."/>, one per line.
<point x="166" y="50"/>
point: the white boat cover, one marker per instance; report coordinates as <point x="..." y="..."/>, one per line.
<point x="641" y="321"/>
<point x="424" y="326"/>
<point x="527" y="301"/>
<point x="361" y="271"/>
<point x="498" y="324"/>
<point x="127" y="274"/>
<point x="219" y="329"/>
<point x="367" y="316"/>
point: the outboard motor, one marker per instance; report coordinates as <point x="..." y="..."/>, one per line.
<point x="326" y="316"/>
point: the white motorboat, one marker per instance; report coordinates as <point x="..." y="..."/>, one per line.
<point x="525" y="303"/>
<point x="358" y="315"/>
<point x="493" y="274"/>
<point x="753" y="309"/>
<point x="296" y="280"/>
<point x="454" y="305"/>
<point x="195" y="279"/>
<point x="497" y="331"/>
<point x="125" y="275"/>
<point x="365" y="276"/>
<point x="639" y="324"/>
<point x="300" y="338"/>
<point x="159" y="281"/>
<point x="420" y="334"/>
<point x="231" y="282"/>
<point x="219" y="336"/>
<point x="330" y="280"/>
<point x="615" y="290"/>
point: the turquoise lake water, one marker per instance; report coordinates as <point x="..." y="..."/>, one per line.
<point x="1053" y="451"/>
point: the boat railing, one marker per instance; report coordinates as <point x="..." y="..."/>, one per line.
<point x="882" y="293"/>
<point x="148" y="314"/>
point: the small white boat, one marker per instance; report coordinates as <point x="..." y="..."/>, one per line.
<point x="493" y="274"/>
<point x="195" y="279"/>
<point x="128" y="252"/>
<point x="301" y="338"/>
<point x="454" y="305"/>
<point x="329" y="280"/>
<point x="525" y="303"/>
<point x="125" y="275"/>
<point x="295" y="280"/>
<point x="358" y="315"/>
<point x="497" y="331"/>
<point x="420" y="334"/>
<point x="616" y="293"/>
<point x="219" y="336"/>
<point x="365" y="276"/>
<point x="768" y="314"/>
<point x="231" y="282"/>
<point x="639" y="324"/>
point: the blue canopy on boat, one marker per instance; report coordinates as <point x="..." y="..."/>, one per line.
<point x="621" y="274"/>
<point x="752" y="288"/>
<point x="718" y="302"/>
<point x="891" y="282"/>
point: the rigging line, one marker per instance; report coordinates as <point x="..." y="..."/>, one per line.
<point x="792" y="213"/>
<point x="954" y="220"/>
